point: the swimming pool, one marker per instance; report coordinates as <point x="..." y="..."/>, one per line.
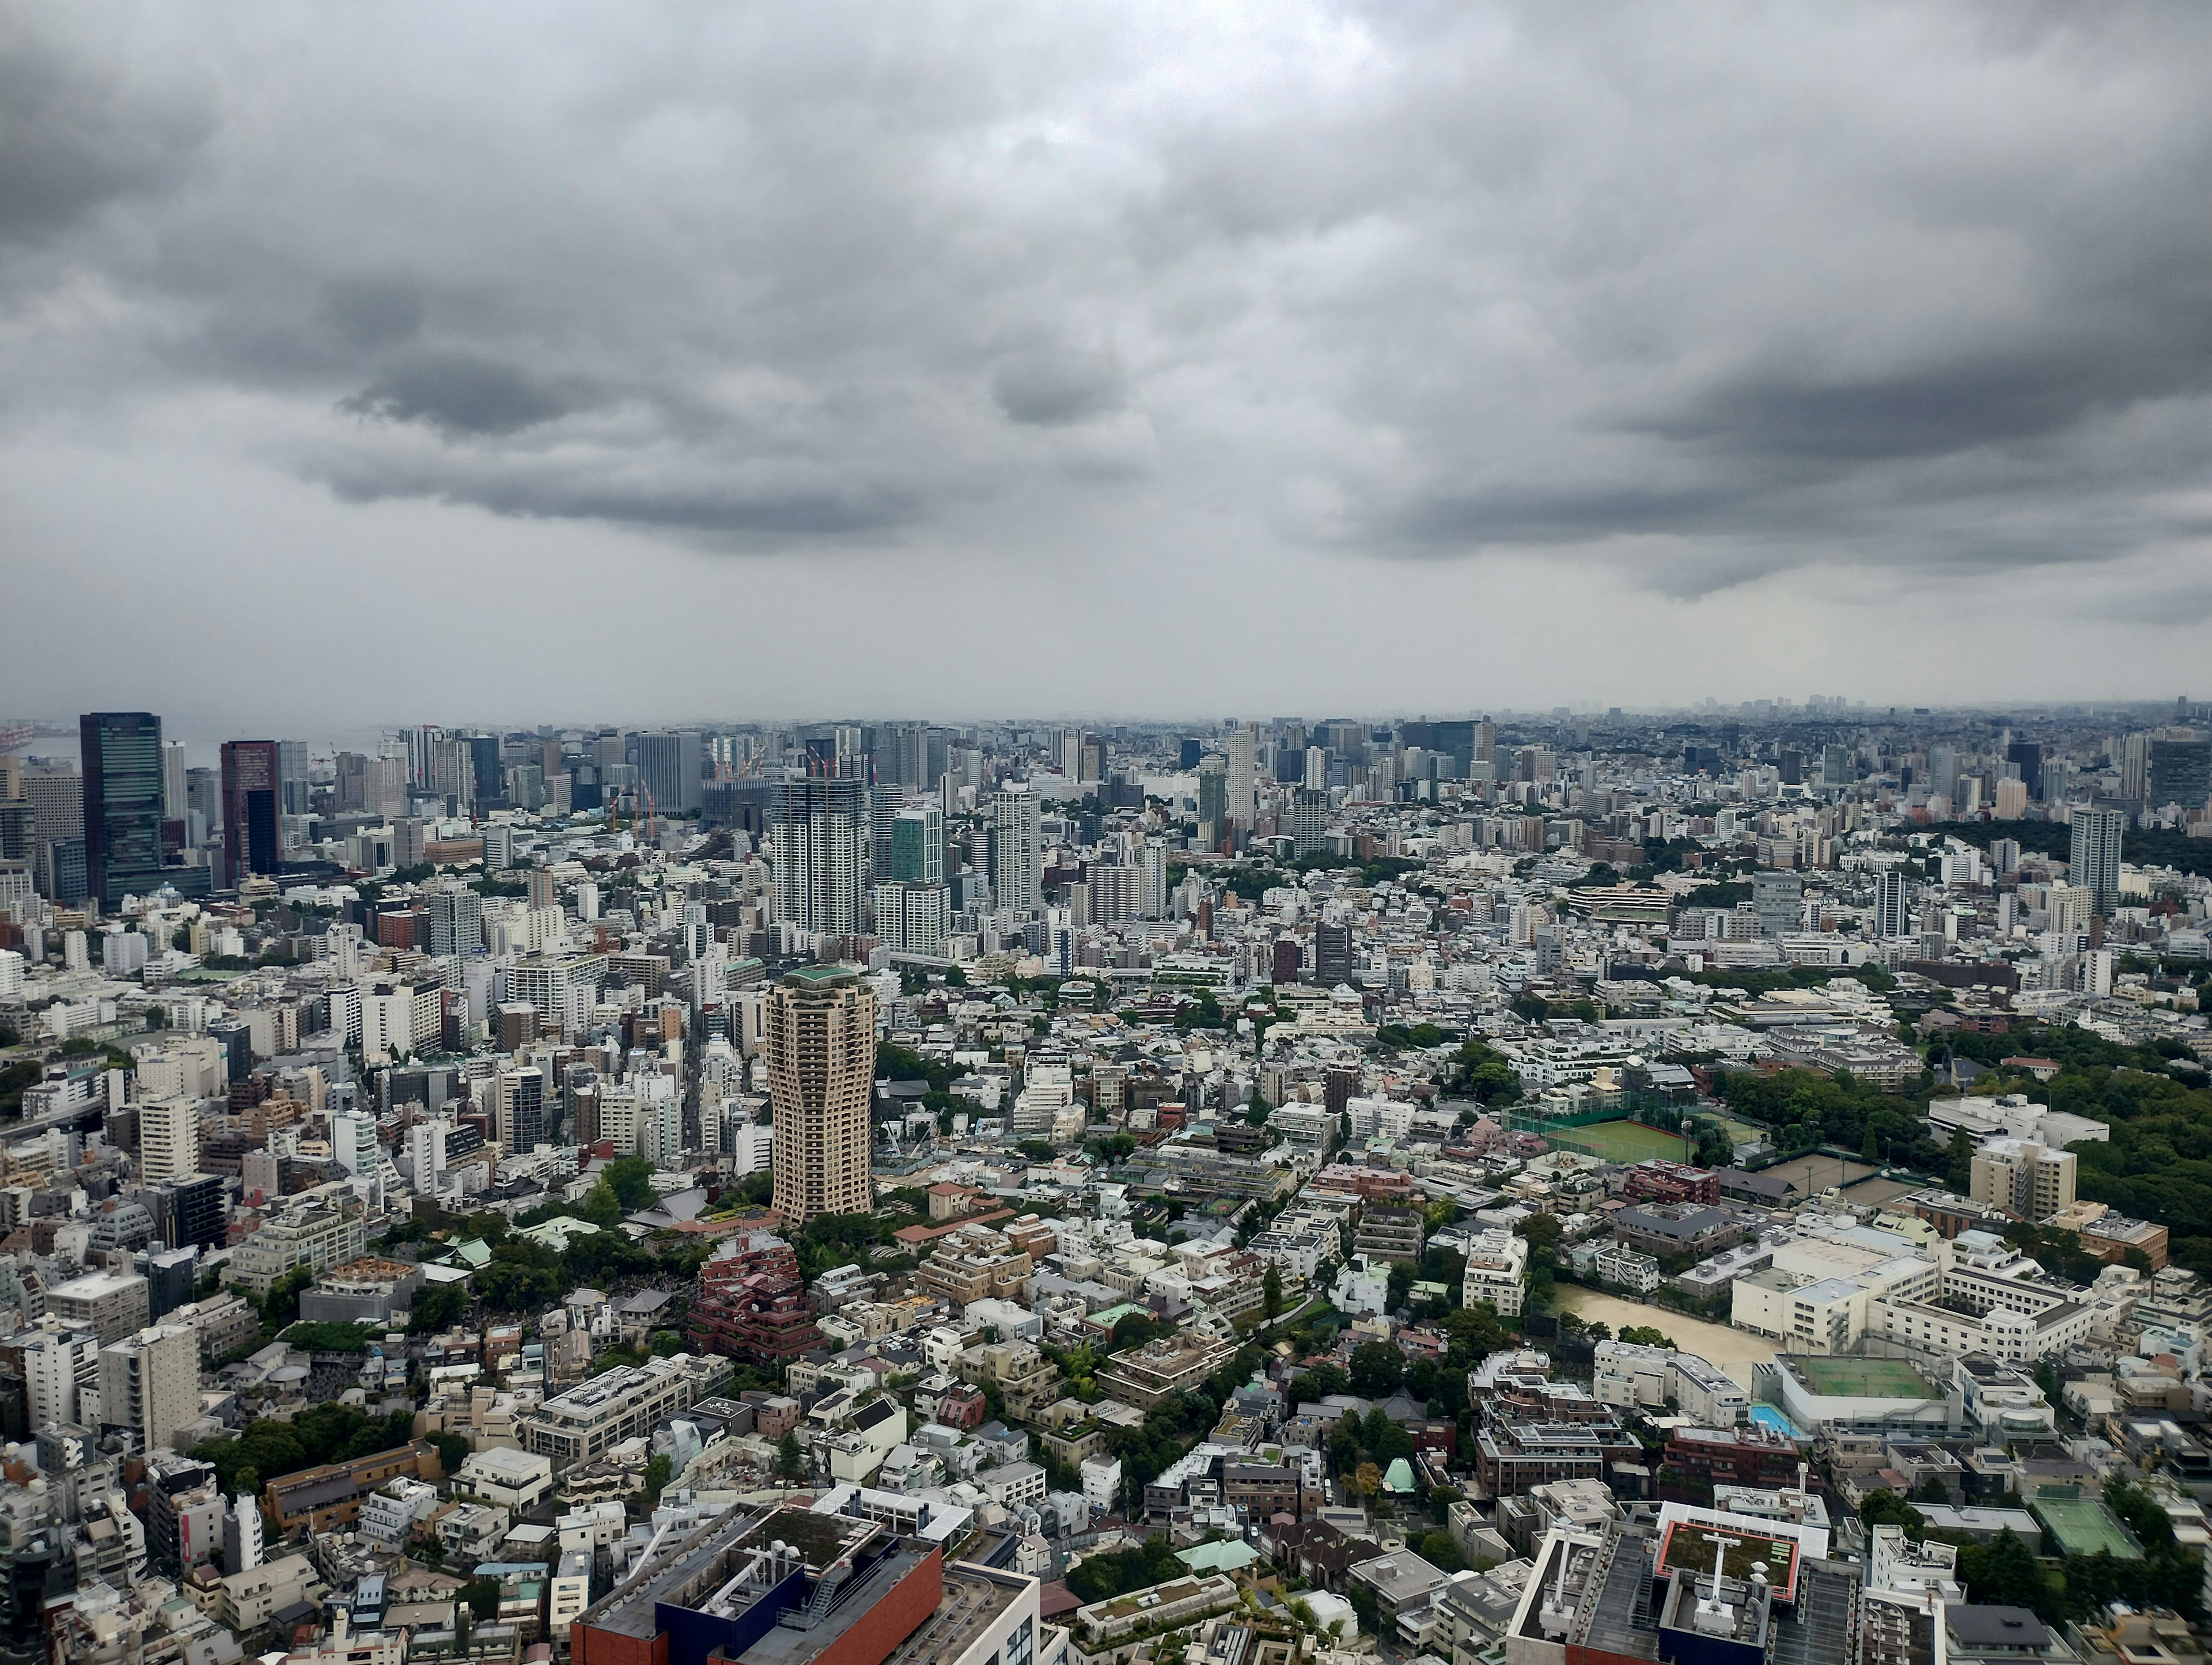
<point x="1771" y="1417"/>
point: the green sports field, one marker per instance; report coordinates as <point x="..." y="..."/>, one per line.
<point x="2083" y="1526"/>
<point x="1621" y="1141"/>
<point x="1862" y="1378"/>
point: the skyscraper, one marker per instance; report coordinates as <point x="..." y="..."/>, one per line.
<point x="2180" y="769"/>
<point x="817" y="842"/>
<point x="2026" y="757"/>
<point x="820" y="1038"/>
<point x="122" y="754"/>
<point x="884" y="804"/>
<point x="1891" y="916"/>
<point x="484" y="769"/>
<point x="253" y="802"/>
<point x="917" y="843"/>
<point x="55" y="793"/>
<point x="1018" y="849"/>
<point x="1309" y="821"/>
<point x="1213" y="799"/>
<point x="456" y="920"/>
<point x="2093" y="861"/>
<point x="174" y="802"/>
<point x="1242" y="782"/>
<point x="668" y="765"/>
<point x="293" y="788"/>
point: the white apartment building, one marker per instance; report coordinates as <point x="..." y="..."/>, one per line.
<point x="149" y="1382"/>
<point x="1496" y="1271"/>
<point x="399" y="1019"/>
<point x="1632" y="1268"/>
<point x="313" y="1237"/>
<point x="169" y="1138"/>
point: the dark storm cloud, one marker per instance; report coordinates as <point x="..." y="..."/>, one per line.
<point x="754" y="509"/>
<point x="1713" y="293"/>
<point x="1053" y="389"/>
<point x="463" y="396"/>
<point x="76" y="136"/>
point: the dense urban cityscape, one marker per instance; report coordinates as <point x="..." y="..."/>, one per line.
<point x="1718" y="1185"/>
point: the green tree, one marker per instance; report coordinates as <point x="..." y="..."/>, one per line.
<point x="1886" y="1508"/>
<point x="1440" y="1551"/>
<point x="1271" y="1294"/>
<point x="790" y="1458"/>
<point x="280" y="1308"/>
<point x="1377" y="1369"/>
<point x="658" y="1468"/>
<point x="436" y="1306"/>
<point x="630" y="1178"/>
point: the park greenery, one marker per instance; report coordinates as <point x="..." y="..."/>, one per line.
<point x="266" y="1449"/>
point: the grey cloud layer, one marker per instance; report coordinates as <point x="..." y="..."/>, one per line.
<point x="1717" y="291"/>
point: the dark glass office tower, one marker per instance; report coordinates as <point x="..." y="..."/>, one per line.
<point x="122" y="757"/>
<point x="252" y="788"/>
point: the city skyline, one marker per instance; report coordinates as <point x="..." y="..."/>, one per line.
<point x="1306" y="355"/>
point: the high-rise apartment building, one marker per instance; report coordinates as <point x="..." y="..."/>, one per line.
<point x="913" y="917"/>
<point x="456" y="918"/>
<point x="884" y="804"/>
<point x="168" y="1138"/>
<point x="2094" y="860"/>
<point x="817" y="844"/>
<point x="1309" y="821"/>
<point x="253" y="805"/>
<point x="149" y="1381"/>
<point x="122" y="757"/>
<point x="1243" y="783"/>
<point x="519" y="1104"/>
<point x="821" y="1044"/>
<point x="1891" y="917"/>
<point x="1018" y="848"/>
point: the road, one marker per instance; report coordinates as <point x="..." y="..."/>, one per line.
<point x="1736" y="1352"/>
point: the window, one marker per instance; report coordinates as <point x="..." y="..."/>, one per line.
<point x="1018" y="1645"/>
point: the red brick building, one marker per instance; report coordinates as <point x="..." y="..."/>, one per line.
<point x="1670" y="1181"/>
<point x="1732" y="1456"/>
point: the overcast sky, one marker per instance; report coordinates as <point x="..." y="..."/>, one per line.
<point x="379" y="363"/>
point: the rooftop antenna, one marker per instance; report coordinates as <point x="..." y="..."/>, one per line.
<point x="1714" y="1617"/>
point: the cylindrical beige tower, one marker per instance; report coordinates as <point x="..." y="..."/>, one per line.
<point x="821" y="1045"/>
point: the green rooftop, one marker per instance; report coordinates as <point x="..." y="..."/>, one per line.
<point x="2082" y="1525"/>
<point x="1861" y="1378"/>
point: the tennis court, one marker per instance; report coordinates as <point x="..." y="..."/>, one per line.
<point x="2083" y="1526"/>
<point x="1620" y="1141"/>
<point x="1861" y="1378"/>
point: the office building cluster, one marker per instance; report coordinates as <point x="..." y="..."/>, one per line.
<point x="747" y="1191"/>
